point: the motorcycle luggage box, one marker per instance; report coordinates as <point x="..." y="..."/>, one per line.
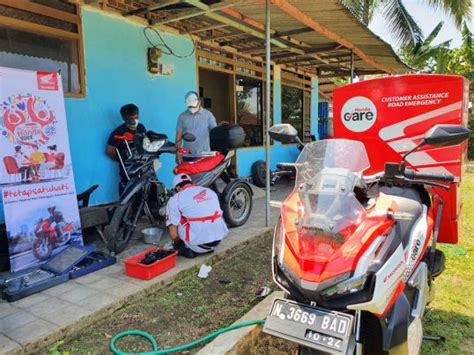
<point x="94" y="261"/>
<point x="225" y="137"/>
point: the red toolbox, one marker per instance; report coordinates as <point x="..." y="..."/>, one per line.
<point x="134" y="268"/>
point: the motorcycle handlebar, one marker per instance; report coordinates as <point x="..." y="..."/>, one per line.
<point x="411" y="174"/>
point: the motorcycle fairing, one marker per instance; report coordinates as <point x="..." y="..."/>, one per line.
<point x="332" y="260"/>
<point x="388" y="283"/>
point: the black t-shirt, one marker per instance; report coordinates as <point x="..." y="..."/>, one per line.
<point x="120" y="144"/>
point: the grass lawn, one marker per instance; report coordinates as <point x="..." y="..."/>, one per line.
<point x="188" y="309"/>
<point x="451" y="314"/>
<point x="191" y="308"/>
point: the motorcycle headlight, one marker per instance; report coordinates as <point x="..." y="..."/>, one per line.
<point x="362" y="279"/>
<point x="347" y="287"/>
<point x="152" y="147"/>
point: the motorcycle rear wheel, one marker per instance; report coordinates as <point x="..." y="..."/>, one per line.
<point x="237" y="204"/>
<point x="121" y="228"/>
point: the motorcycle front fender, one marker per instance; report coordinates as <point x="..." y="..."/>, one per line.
<point x="395" y="332"/>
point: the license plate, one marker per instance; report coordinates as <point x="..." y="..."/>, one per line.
<point x="314" y="327"/>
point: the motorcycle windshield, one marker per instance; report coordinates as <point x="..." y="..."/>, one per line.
<point x="328" y="171"/>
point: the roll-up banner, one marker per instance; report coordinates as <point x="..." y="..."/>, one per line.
<point x="36" y="179"/>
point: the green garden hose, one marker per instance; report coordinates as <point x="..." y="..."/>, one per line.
<point x="453" y="250"/>
<point x="179" y="348"/>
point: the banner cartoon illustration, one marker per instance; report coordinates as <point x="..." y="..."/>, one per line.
<point x="36" y="179"/>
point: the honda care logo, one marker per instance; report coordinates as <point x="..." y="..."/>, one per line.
<point x="358" y="114"/>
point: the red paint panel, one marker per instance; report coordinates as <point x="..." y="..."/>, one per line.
<point x="390" y="115"/>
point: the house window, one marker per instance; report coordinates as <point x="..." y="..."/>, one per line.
<point x="41" y="37"/>
<point x="249" y="109"/>
<point x="292" y="108"/>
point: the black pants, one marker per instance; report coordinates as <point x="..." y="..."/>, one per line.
<point x="25" y="172"/>
<point x="183" y="250"/>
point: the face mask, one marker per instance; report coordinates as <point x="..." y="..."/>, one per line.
<point x="131" y="122"/>
<point x="193" y="110"/>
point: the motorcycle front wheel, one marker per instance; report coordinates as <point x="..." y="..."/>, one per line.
<point x="122" y="226"/>
<point x="42" y="248"/>
<point x="303" y="350"/>
<point x="237" y="204"/>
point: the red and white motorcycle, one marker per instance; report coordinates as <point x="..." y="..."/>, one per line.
<point x="356" y="255"/>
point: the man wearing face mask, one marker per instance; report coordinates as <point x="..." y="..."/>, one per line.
<point x="197" y="121"/>
<point x="130" y="127"/>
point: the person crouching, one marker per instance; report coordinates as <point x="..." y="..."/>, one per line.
<point x="194" y="218"/>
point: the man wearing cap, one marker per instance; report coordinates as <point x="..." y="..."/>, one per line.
<point x="197" y="121"/>
<point x="194" y="218"/>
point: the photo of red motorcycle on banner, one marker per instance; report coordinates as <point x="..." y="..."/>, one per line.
<point x="36" y="179"/>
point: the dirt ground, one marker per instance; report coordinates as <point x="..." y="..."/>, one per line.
<point x="267" y="344"/>
<point x="189" y="309"/>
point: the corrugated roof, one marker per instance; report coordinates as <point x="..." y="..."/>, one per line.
<point x="313" y="36"/>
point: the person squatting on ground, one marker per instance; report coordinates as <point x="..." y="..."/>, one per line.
<point x="131" y="126"/>
<point x="194" y="218"/>
<point x="197" y="121"/>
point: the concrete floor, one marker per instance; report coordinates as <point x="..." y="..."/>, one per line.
<point x="35" y="322"/>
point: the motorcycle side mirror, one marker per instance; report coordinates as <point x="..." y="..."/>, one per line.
<point x="442" y="135"/>
<point x="188" y="137"/>
<point x="284" y="133"/>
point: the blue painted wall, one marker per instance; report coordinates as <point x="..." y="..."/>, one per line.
<point x="115" y="52"/>
<point x="116" y="73"/>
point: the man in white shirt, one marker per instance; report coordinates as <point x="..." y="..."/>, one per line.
<point x="194" y="218"/>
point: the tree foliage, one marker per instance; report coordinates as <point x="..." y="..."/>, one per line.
<point x="440" y="59"/>
<point x="400" y="22"/>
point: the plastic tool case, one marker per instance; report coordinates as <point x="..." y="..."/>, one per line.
<point x="225" y="137"/>
<point x="72" y="262"/>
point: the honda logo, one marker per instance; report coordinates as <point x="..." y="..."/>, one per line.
<point x="359" y="114"/>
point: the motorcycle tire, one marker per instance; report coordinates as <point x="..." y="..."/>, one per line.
<point x="236" y="203"/>
<point x="259" y="173"/>
<point x="42" y="248"/>
<point x="120" y="230"/>
<point x="303" y="350"/>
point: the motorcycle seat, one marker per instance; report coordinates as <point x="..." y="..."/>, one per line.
<point x="199" y="165"/>
<point x="408" y="201"/>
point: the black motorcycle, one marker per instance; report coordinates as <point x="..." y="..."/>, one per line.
<point x="144" y="194"/>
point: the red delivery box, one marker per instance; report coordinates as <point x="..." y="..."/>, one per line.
<point x="390" y="115"/>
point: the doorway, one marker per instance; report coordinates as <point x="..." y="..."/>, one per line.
<point x="216" y="91"/>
